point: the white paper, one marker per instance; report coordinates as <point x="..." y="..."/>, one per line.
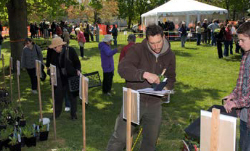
<point x="86" y="90"/>
<point x="18" y="67"/>
<point x="157" y="93"/>
<point x="40" y="68"/>
<point x="137" y="107"/>
<point x="53" y="74"/>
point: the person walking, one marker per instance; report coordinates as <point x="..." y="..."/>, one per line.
<point x="183" y="32"/>
<point x="205" y="31"/>
<point x="114" y="34"/>
<point x="81" y="41"/>
<point x="220" y="37"/>
<point x="66" y="37"/>
<point x="140" y="70"/>
<point x="97" y="32"/>
<point x="212" y="27"/>
<point x="198" y="33"/>
<point x="67" y="65"/>
<point x="228" y="40"/>
<point x="107" y="62"/>
<point x="31" y="53"/>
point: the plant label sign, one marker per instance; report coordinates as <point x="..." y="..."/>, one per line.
<point x="18" y="67"/>
<point x="135" y="101"/>
<point x="39" y="65"/>
<point x="86" y="88"/>
<point x="53" y="74"/>
<point x="226" y="132"/>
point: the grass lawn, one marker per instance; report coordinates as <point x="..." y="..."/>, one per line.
<point x="202" y="80"/>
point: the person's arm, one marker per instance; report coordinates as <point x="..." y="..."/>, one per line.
<point x="108" y="51"/>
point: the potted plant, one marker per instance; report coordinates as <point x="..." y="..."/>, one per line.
<point x="14" y="145"/>
<point x="3" y="123"/>
<point x="44" y="132"/>
<point x="28" y="134"/>
<point x="20" y="117"/>
<point x="9" y="114"/>
<point x="4" y="137"/>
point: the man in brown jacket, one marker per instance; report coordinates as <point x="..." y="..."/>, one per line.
<point x="140" y="68"/>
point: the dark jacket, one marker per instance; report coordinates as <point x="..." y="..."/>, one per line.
<point x="220" y="37"/>
<point x="70" y="61"/>
<point x="114" y="31"/>
<point x="183" y="30"/>
<point x="58" y="59"/>
<point x="140" y="59"/>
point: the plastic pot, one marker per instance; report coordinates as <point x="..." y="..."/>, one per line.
<point x="44" y="136"/>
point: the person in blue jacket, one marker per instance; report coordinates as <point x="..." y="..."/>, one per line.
<point x="107" y="62"/>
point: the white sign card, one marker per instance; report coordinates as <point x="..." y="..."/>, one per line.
<point x="135" y="101"/>
<point x="53" y="75"/>
<point x="125" y="32"/>
<point x="86" y="89"/>
<point x="18" y="67"/>
<point x="227" y="132"/>
<point x="40" y="67"/>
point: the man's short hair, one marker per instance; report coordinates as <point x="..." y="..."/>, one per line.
<point x="244" y="29"/>
<point x="131" y="38"/>
<point x="153" y="30"/>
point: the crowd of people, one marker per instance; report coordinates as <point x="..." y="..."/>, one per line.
<point x="138" y="67"/>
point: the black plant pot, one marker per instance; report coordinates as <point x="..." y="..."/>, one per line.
<point x="44" y="136"/>
<point x="16" y="147"/>
<point x="2" y="127"/>
<point x="22" y="122"/>
<point x="30" y="141"/>
<point x="5" y="143"/>
<point x="1" y="145"/>
<point x="22" y="142"/>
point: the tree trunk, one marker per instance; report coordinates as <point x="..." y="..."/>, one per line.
<point x="17" y="11"/>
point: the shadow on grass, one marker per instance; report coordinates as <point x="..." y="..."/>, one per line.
<point x="234" y="58"/>
<point x="186" y="103"/>
<point x="181" y="53"/>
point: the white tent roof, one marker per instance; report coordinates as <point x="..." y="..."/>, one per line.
<point x="184" y="7"/>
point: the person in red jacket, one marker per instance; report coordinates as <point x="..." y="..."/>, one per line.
<point x="228" y="40"/>
<point x="131" y="41"/>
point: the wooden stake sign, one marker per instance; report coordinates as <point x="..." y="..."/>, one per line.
<point x="38" y="74"/>
<point x="131" y="112"/>
<point x="218" y="131"/>
<point x="86" y="88"/>
<point x="84" y="95"/>
<point x="11" y="68"/>
<point x="135" y="109"/>
<point x="18" y="82"/>
<point x="53" y="83"/>
<point x="3" y="71"/>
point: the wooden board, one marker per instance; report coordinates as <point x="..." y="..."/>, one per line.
<point x="135" y="100"/>
<point x="226" y="133"/>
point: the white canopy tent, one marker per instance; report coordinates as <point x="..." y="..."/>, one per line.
<point x="185" y="8"/>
